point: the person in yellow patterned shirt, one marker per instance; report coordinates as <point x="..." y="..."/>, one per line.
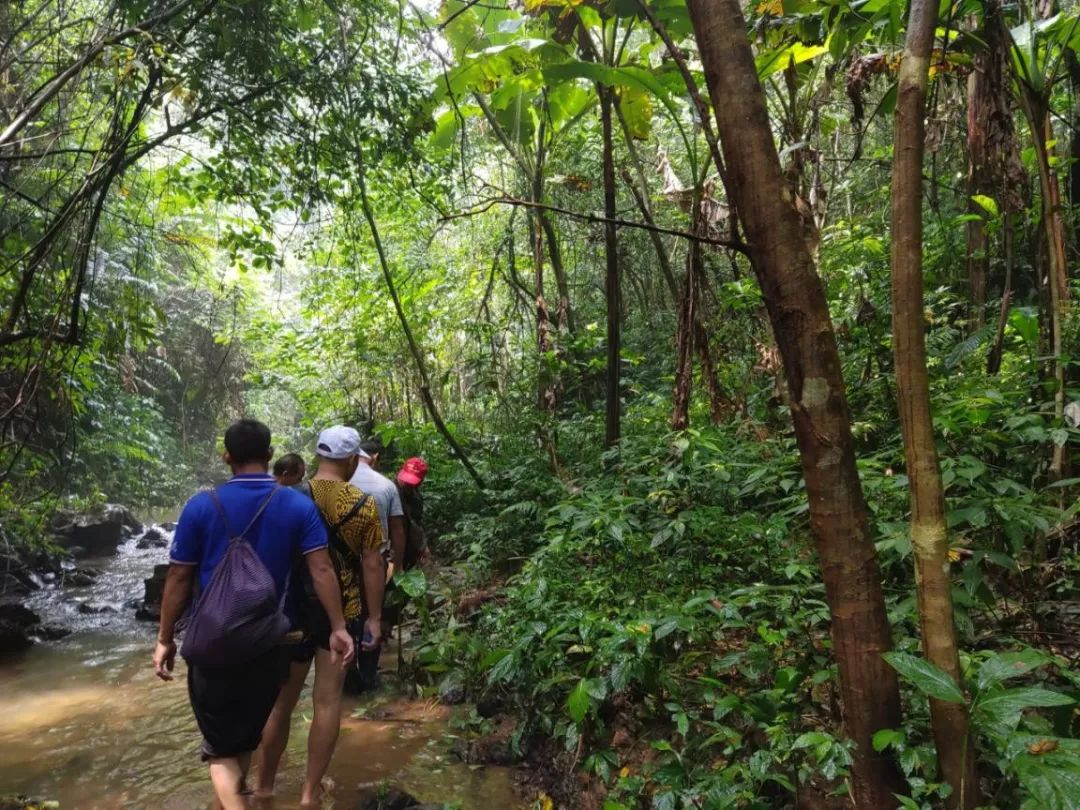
<point x="356" y="540"/>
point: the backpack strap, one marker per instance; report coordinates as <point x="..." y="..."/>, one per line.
<point x="356" y="507"/>
<point x="251" y="523"/>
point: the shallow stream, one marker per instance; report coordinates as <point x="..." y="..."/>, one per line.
<point x="83" y="721"/>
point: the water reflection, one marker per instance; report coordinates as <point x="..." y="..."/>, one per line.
<point x="84" y="721"/>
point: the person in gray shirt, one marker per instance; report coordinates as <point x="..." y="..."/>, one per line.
<point x="384" y="492"/>
<point x="367" y="478"/>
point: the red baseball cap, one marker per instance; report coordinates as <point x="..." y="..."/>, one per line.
<point x="413" y="471"/>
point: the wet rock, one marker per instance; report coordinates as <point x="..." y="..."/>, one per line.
<point x="94" y="534"/>
<point x="451" y="693"/>
<point x="17" y="623"/>
<point x="392" y="799"/>
<point x="152" y="538"/>
<point x="153" y="588"/>
<point x="26" y="803"/>
<point x="13" y="638"/>
<point x="50" y="632"/>
<point x="490" y="704"/>
<point x="93" y="609"/>
<point x="12" y="585"/>
<point x="169" y="526"/>
<point x="19" y="615"/>
<point x="78" y="578"/>
<point x="496" y="748"/>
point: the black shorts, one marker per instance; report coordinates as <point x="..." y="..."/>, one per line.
<point x="232" y="704"/>
<point x="315" y="625"/>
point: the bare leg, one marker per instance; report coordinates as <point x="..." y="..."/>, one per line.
<point x="276" y="732"/>
<point x="325" y="724"/>
<point x="227" y="777"/>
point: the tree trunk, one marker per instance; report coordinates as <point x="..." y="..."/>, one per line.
<point x="564" y="313"/>
<point x="612" y="286"/>
<point x="684" y="340"/>
<point x="414" y="349"/>
<point x="783" y="260"/>
<point x="929" y="539"/>
<point x="993" y="359"/>
<point x="1037" y="112"/>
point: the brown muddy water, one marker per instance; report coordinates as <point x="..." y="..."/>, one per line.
<point x="83" y="721"/>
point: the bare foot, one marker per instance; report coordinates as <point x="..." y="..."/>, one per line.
<point x="318" y="794"/>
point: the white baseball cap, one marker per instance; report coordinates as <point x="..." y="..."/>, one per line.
<point x="339" y="442"/>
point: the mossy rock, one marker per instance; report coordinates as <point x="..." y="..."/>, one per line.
<point x="23" y="803"/>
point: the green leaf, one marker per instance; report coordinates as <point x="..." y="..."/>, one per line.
<point x="886" y="737"/>
<point x="637" y="109"/>
<point x="1053" y="780"/>
<point x="579" y="701"/>
<point x="1001" y="667"/>
<point x="413" y="583"/>
<point x="926" y="677"/>
<point x="988" y="204"/>
<point x="1000" y="712"/>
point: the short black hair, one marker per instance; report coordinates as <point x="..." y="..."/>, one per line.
<point x="372" y="445"/>
<point x="248" y="440"/>
<point x="289" y="464"/>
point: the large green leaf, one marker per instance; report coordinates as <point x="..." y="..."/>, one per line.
<point x="999" y="712"/>
<point x="637" y="109"/>
<point x="1001" y="667"/>
<point x="926" y="677"/>
<point x="579" y="701"/>
<point x="1052" y="779"/>
<point x="773" y="61"/>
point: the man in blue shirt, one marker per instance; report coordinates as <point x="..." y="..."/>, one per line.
<point x="231" y="704"/>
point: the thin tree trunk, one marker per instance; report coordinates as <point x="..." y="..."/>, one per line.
<point x="929" y="539"/>
<point x="564" y="313"/>
<point x="783" y="260"/>
<point x="612" y="284"/>
<point x="993" y="360"/>
<point x="684" y="339"/>
<point x="414" y="349"/>
<point x="1038" y="116"/>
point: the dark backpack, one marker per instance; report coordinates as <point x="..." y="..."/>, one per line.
<point x="239" y="615"/>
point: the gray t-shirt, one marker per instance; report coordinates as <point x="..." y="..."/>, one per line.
<point x="385" y="494"/>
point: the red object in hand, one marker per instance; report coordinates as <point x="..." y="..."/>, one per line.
<point x="412" y="472"/>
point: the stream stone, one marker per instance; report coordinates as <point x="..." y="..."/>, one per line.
<point x="153" y="588"/>
<point x="395" y="799"/>
<point x="94" y="534"/>
<point x="153" y="537"/>
<point x="16" y="624"/>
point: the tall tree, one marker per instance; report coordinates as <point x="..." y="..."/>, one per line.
<point x="780" y="247"/>
<point x="929" y="539"/>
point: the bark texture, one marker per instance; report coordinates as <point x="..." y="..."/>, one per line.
<point x="780" y="249"/>
<point x="929" y="540"/>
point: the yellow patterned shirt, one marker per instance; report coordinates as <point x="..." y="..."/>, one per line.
<point x="360" y="533"/>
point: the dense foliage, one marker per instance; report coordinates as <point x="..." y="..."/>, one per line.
<point x="399" y="216"/>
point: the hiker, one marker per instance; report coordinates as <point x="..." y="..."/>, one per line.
<point x="290" y="469"/>
<point x="234" y="675"/>
<point x="365" y="676"/>
<point x="409" y="478"/>
<point x="368" y="479"/>
<point x="355" y="542"/>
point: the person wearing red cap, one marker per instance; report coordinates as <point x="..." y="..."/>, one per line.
<point x="409" y="478"/>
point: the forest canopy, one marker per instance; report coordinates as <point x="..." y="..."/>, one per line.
<point x="738" y="337"/>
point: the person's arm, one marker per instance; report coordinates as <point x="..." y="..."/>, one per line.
<point x="325" y="581"/>
<point x="397" y="541"/>
<point x="178" y="584"/>
<point x="374" y="587"/>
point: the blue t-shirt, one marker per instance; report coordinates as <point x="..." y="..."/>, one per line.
<point x="290" y="525"/>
